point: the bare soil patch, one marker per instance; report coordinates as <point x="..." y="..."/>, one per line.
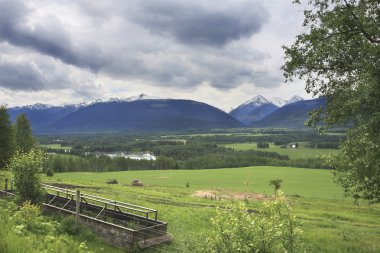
<point x="219" y="194"/>
<point x="71" y="186"/>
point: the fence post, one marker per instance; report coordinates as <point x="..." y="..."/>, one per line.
<point x="77" y="208"/>
<point x="6" y="186"/>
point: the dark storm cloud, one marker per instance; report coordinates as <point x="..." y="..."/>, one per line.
<point x="171" y="43"/>
<point x="195" y="23"/>
<point x="221" y="69"/>
<point x="21" y="76"/>
<point x="48" y="38"/>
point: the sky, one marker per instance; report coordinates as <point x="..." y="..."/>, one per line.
<point x="219" y="52"/>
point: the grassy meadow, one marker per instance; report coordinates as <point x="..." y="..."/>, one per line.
<point x="330" y="222"/>
<point x="296" y="181"/>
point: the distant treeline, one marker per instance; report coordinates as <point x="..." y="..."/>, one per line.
<point x="182" y="151"/>
<point x="179" y="156"/>
<point x="112" y="143"/>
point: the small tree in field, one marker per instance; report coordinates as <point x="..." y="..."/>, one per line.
<point x="26" y="169"/>
<point x="277" y="185"/>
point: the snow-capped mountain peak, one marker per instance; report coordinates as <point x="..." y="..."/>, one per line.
<point x="142" y="96"/>
<point x="37" y="106"/>
<point x="257" y="100"/>
<point x="278" y="101"/>
<point x="294" y="99"/>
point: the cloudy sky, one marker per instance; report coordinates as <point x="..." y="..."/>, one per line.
<point x="219" y="52"/>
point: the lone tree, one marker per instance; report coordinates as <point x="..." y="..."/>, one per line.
<point x="26" y="169"/>
<point x="277" y="185"/>
<point x="6" y="137"/>
<point x="23" y="134"/>
<point x="337" y="54"/>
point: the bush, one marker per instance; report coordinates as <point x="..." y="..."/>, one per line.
<point x="27" y="215"/>
<point x="26" y="169"/>
<point x="49" y="172"/>
<point x="69" y="226"/>
<point x="262" y="145"/>
<point x="274" y="229"/>
<point x="112" y="181"/>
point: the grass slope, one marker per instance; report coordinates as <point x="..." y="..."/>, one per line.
<point x="303" y="182"/>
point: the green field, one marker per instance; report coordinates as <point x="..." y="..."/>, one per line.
<point x="296" y="181"/>
<point x="293" y="153"/>
<point x="55" y="146"/>
<point x="330" y="223"/>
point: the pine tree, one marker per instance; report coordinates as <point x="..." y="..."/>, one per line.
<point x="24" y="138"/>
<point x="6" y="137"/>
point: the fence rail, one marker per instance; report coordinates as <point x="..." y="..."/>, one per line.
<point x="107" y="203"/>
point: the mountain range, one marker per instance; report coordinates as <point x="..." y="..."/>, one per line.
<point x="140" y="113"/>
<point x="259" y="107"/>
<point x="145" y="114"/>
<point x="293" y="115"/>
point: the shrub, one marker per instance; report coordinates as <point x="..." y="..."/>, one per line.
<point x="26" y="169"/>
<point x="27" y="215"/>
<point x="49" y="172"/>
<point x="274" y="229"/>
<point x="263" y="145"/>
<point x="112" y="181"/>
<point x="69" y="226"/>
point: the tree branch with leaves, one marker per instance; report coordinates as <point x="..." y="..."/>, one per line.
<point x="338" y="56"/>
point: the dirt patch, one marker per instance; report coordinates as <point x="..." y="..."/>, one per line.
<point x="219" y="194"/>
<point x="71" y="186"/>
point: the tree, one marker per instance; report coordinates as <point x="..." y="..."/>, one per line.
<point x="23" y="134"/>
<point x="277" y="185"/>
<point x="338" y="56"/>
<point x="6" y="137"/>
<point x="26" y="169"/>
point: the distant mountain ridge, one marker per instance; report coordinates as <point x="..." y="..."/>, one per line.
<point x="292" y="115"/>
<point x="146" y="113"/>
<point x="259" y="107"/>
<point x="41" y="115"/>
<point x="139" y="113"/>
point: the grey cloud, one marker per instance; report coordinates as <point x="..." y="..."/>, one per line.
<point x="133" y="40"/>
<point x="221" y="69"/>
<point x="194" y="23"/>
<point x="21" y="76"/>
<point x="24" y="74"/>
<point x="49" y="38"/>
